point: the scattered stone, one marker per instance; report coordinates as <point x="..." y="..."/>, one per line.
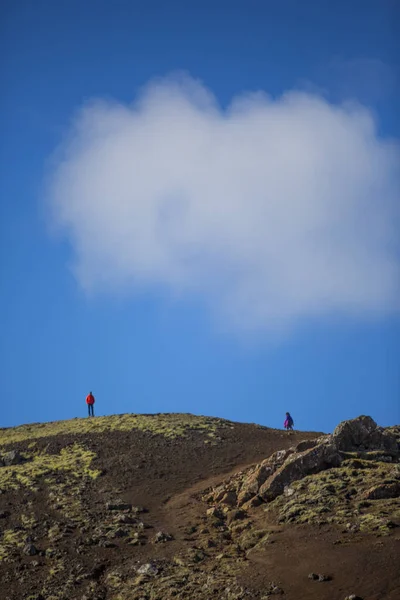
<point x="236" y="515"/>
<point x="319" y="577"/>
<point x="30" y="550"/>
<point x="162" y="537"/>
<point x="190" y="530"/>
<point x="106" y="544"/>
<point x="216" y="512"/>
<point x="273" y="590"/>
<point x="148" y="569"/>
<point x="119" y="533"/>
<point x="139" y="509"/>
<point x="353" y="597"/>
<point x="125" y="519"/>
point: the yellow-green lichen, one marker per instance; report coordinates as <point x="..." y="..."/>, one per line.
<point x="341" y="496"/>
<point x="10" y="541"/>
<point x="170" y="425"/>
<point x="74" y="460"/>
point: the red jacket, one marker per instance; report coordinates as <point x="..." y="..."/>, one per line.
<point x="90" y="399"/>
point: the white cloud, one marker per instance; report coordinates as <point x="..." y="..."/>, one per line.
<point x="272" y="211"/>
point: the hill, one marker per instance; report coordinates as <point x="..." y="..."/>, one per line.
<point x="152" y="507"/>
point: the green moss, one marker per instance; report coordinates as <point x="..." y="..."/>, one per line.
<point x="339" y="497"/>
<point x="74" y="460"/>
<point x="252" y="537"/>
<point x="170" y="425"/>
<point x="28" y="521"/>
<point x="10" y="541"/>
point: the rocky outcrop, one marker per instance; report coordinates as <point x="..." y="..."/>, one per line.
<point x="269" y="479"/>
<point x="386" y="490"/>
<point x="364" y="434"/>
<point x="297" y="466"/>
<point x="13" y="457"/>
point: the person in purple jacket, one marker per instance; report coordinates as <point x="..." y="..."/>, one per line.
<point x="288" y="424"/>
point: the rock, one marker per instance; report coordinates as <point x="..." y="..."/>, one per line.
<point x="353" y="597"/>
<point x="273" y="590"/>
<point x="384" y="490"/>
<point x="139" y="509"/>
<point x="363" y="433"/>
<point x="276" y="590"/>
<point x="119" y="533"/>
<point x="297" y="466"/>
<point x="252" y="503"/>
<point x="306" y="445"/>
<point x="148" y="569"/>
<point x="319" y="577"/>
<point x="12" y="458"/>
<point x="162" y="537"/>
<point x="30" y="550"/>
<point x="230" y="498"/>
<point x="252" y="483"/>
<point x="125" y="519"/>
<point x="118" y="506"/>
<point x="236" y="515"/>
<point x="106" y="544"/>
<point x="215" y="512"/>
<point x="191" y="529"/>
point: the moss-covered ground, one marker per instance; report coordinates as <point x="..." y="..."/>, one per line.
<point x="340" y="496"/>
<point x="169" y="424"/>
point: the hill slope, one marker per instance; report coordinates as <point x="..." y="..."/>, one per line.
<point x="164" y="506"/>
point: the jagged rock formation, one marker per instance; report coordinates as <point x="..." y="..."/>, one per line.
<point x="269" y="479"/>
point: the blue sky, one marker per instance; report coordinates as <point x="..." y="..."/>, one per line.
<point x="150" y="337"/>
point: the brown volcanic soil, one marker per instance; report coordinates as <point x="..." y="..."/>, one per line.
<point x="166" y="475"/>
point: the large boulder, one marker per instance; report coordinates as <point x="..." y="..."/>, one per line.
<point x="261" y="473"/>
<point x="299" y="465"/>
<point x="363" y="433"/>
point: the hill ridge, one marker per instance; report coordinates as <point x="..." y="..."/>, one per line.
<point x="123" y="512"/>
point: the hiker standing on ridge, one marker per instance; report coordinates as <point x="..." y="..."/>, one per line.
<point x="90" y="401"/>
<point x="288" y="424"/>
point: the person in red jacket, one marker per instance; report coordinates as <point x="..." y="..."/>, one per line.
<point x="90" y="401"/>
